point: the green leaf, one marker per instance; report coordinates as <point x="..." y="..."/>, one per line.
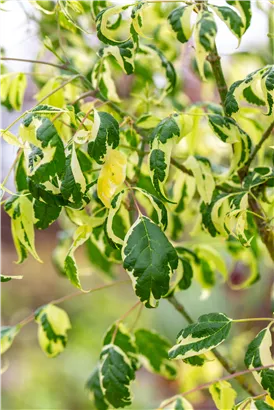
<point x="259" y="176"/>
<point x="210" y="331"/>
<point x="150" y="259"/>
<point x="123" y="53"/>
<point x="17" y="90"/>
<point x="5" y="278"/>
<point x="21" y="174"/>
<point x="244" y="8"/>
<point x="102" y="79"/>
<point x="223" y="395"/>
<point x="176" y="403"/>
<point x="8" y="334"/>
<point x="95" y="392"/>
<point x="20" y="209"/>
<point x="163" y="139"/>
<point x="153" y="353"/>
<point x="45" y="214"/>
<point x="205" y="31"/>
<point x="53" y="324"/>
<point x="155" y="54"/>
<point x="114" y="208"/>
<point x="73" y="187"/>
<point x="257" y="88"/>
<point x="232" y="20"/>
<point x="180" y="20"/>
<point x="46" y="162"/>
<point x="124" y="340"/>
<point x="81" y="235"/>
<point x="116" y="374"/>
<point x="230" y="132"/>
<point x="201" y="169"/>
<point x="105" y="133"/>
<point x="259" y="354"/>
<point x="104" y="33"/>
<point x="158" y="206"/>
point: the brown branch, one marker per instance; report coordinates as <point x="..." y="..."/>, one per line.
<point x="232" y="376"/>
<point x="224" y="362"/>
<point x="23" y="60"/>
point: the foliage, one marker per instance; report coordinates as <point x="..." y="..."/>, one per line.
<point x="130" y="176"/>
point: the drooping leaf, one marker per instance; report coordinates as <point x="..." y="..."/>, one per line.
<point x="205" y="31"/>
<point x="223" y="395"/>
<point x="20" y="209"/>
<point x="95" y="391"/>
<point x="163" y="138"/>
<point x="73" y="187"/>
<point x="102" y="79"/>
<point x="232" y="20"/>
<point x="153" y="353"/>
<point x="201" y="169"/>
<point x="13" y="89"/>
<point x="124" y="340"/>
<point x="115" y="373"/>
<point x="81" y="235"/>
<point x="53" y="324"/>
<point x="8" y="334"/>
<point x="180" y="20"/>
<point x="155" y="54"/>
<point x="244" y="8"/>
<point x="258" y="354"/>
<point x="104" y="33"/>
<point x="124" y="54"/>
<point x="149" y="259"/>
<point x="112" y="176"/>
<point x="105" y="133"/>
<point x="210" y="330"/>
<point x="230" y="132"/>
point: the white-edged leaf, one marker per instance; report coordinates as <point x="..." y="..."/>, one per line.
<point x="53" y="324"/>
<point x="259" y="354"/>
<point x="201" y="169"/>
<point x="149" y="259"/>
<point x="208" y="332"/>
<point x="8" y="334"/>
<point x="223" y="395"/>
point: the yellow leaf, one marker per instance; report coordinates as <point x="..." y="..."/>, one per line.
<point x="112" y="176"/>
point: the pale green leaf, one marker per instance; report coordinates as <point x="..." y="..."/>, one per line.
<point x="53" y="324"/>
<point x="8" y="334"/>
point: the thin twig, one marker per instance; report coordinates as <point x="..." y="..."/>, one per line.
<point x="125" y="315"/>
<point x="71" y="296"/>
<point x="208" y="384"/>
<point x="61" y="67"/>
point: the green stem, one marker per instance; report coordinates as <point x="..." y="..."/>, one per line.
<point x="254" y="319"/>
<point x="224" y="362"/>
<point x="215" y="62"/>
